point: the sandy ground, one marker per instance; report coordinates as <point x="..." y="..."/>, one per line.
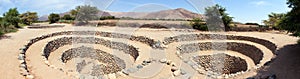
<point x="286" y="65"/>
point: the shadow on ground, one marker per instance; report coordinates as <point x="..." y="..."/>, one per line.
<point x="286" y="65"/>
<point x="4" y="37"/>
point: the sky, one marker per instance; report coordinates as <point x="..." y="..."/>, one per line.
<point x="242" y="10"/>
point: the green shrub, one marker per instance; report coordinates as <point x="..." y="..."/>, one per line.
<point x="67" y="17"/>
<point x="53" y="18"/>
<point x="28" y="18"/>
<point x="66" y="21"/>
<point x="298" y="42"/>
<point x="198" y="24"/>
<point x="12" y="17"/>
<point x="296" y="34"/>
<point x="107" y="17"/>
<point x="1" y="33"/>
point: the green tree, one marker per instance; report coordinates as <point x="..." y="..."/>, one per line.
<point x="198" y="24"/>
<point x="67" y="17"/>
<point x="29" y="17"/>
<point x="53" y="18"/>
<point x="86" y="13"/>
<point x="274" y="20"/>
<point x="74" y="12"/>
<point x="12" y="17"/>
<point x="291" y="22"/>
<point x="210" y="12"/>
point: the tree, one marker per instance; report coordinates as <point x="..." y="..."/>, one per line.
<point x="198" y="24"/>
<point x="74" y="12"/>
<point x="53" y="18"/>
<point x="12" y="17"/>
<point x="274" y="20"/>
<point x="86" y="13"/>
<point x="291" y="22"/>
<point x="29" y="17"/>
<point x="67" y="17"/>
<point x="210" y="12"/>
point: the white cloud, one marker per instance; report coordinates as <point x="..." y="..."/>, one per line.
<point x="260" y="3"/>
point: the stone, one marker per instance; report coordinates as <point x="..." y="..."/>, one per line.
<point x="226" y="76"/>
<point x="47" y="62"/>
<point x="23" y="66"/>
<point x="21" y="56"/>
<point x="21" y="61"/>
<point x="163" y="60"/>
<point x="174" y="69"/>
<point x="139" y="66"/>
<point x="29" y="77"/>
<point x="24" y="73"/>
<point x="178" y="52"/>
<point x="125" y="72"/>
<point x="169" y="62"/>
<point x="176" y="73"/>
<point x="144" y="64"/>
<point x="147" y="61"/>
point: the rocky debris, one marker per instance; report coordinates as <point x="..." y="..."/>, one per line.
<point x="249" y="50"/>
<point x="113" y="63"/>
<point x="230" y="64"/>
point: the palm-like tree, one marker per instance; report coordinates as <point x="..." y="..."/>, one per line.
<point x="274" y="19"/>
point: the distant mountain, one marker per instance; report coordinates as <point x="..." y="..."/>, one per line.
<point x="129" y="14"/>
<point x="178" y="13"/>
<point x="43" y="18"/>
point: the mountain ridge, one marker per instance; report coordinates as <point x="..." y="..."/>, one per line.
<point x="178" y="13"/>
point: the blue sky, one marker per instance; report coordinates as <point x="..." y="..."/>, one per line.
<point x="241" y="10"/>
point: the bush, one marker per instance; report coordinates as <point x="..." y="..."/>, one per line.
<point x="66" y="21"/>
<point x="296" y="34"/>
<point x="68" y="17"/>
<point x="28" y="18"/>
<point x="53" y="18"/>
<point x="1" y="32"/>
<point x="107" y="17"/>
<point x="198" y="24"/>
<point x="12" y="17"/>
<point x="298" y="42"/>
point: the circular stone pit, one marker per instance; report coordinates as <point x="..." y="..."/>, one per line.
<point x="231" y="64"/>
